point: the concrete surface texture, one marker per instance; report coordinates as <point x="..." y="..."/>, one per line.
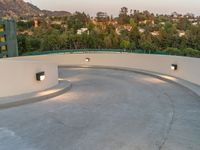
<point x="19" y="77"/>
<point x="106" y="110"/>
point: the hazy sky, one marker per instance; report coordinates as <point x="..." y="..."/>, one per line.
<point x="113" y="6"/>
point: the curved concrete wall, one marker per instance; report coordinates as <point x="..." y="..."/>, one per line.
<point x="19" y="77"/>
<point x="188" y="68"/>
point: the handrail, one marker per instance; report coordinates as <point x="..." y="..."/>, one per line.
<point x="94" y="51"/>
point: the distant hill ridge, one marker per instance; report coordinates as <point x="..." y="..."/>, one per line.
<point x="19" y="8"/>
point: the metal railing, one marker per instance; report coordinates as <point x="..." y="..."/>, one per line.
<point x="158" y="52"/>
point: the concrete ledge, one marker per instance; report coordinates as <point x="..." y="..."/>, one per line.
<point x="190" y="86"/>
<point x="187" y="67"/>
<point x="22" y="72"/>
<point x="8" y="102"/>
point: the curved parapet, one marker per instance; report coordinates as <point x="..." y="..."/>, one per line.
<point x="187" y="68"/>
<point x="19" y="76"/>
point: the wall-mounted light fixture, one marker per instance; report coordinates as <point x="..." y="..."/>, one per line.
<point x="174" y="67"/>
<point x="40" y="76"/>
<point x="87" y="59"/>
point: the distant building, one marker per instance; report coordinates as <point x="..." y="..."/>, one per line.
<point x="147" y="22"/>
<point x="82" y="30"/>
<point x="24" y="20"/>
<point x="128" y="27"/>
<point x="8" y="39"/>
<point x="195" y="23"/>
<point x="118" y="30"/>
<point x="175" y="19"/>
<point x="141" y="30"/>
<point x="175" y="15"/>
<point x="181" y="33"/>
<point x="56" y="22"/>
<point x="155" y="33"/>
<point x="102" y="16"/>
<point x="35" y="23"/>
<point x="162" y="23"/>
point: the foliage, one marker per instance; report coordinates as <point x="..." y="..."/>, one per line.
<point x="131" y="31"/>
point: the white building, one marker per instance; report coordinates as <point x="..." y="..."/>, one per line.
<point x="155" y="33"/>
<point x="82" y="30"/>
<point x="181" y="33"/>
<point x="141" y="30"/>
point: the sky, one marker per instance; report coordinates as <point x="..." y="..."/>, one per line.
<point x="112" y="7"/>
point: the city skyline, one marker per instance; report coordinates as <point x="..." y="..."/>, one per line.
<point x="112" y="7"/>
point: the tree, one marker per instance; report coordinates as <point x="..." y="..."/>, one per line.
<point x="191" y="52"/>
<point x="183" y="24"/>
<point x="194" y="37"/>
<point x="23" y="44"/>
<point x="50" y="43"/>
<point x="173" y="51"/>
<point x="125" y="44"/>
<point x="23" y="25"/>
<point x="124" y="11"/>
<point x="134" y="36"/>
<point x="147" y="46"/>
<point x="133" y="23"/>
<point x="35" y="43"/>
<point x="168" y="35"/>
<point x="146" y="43"/>
<point x="102" y="33"/>
<point x="77" y="21"/>
<point x="123" y="16"/>
<point x="108" y="42"/>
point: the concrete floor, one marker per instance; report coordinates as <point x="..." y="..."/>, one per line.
<point x="106" y="110"/>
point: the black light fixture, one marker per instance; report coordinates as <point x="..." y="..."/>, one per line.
<point x="40" y="76"/>
<point x="174" y="67"/>
<point x="87" y="59"/>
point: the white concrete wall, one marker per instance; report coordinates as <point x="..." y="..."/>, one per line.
<point x="19" y="77"/>
<point x="188" y="68"/>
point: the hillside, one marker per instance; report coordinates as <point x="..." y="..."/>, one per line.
<point x="19" y="8"/>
